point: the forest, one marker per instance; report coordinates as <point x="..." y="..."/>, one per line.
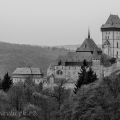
<point x="91" y="99"/>
<point x="16" y="55"/>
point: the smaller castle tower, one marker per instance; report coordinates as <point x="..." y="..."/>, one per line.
<point x="96" y="63"/>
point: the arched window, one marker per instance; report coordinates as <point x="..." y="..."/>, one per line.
<point x="117" y="44"/>
<point x="117" y="53"/>
<point x="59" y="72"/>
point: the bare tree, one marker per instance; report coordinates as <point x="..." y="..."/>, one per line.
<point x="16" y="95"/>
<point x="58" y="93"/>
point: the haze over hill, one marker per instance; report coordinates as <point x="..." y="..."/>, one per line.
<point x="73" y="47"/>
<point x="15" y="55"/>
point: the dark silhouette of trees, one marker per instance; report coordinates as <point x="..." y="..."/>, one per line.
<point x="86" y="76"/>
<point x="16" y="96"/>
<point x="100" y="101"/>
<point x="58" y="94"/>
<point x="90" y="76"/>
<point x="6" y="82"/>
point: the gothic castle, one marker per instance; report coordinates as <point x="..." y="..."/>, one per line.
<point x="111" y="36"/>
<point x="68" y="66"/>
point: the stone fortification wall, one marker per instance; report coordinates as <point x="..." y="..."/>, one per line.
<point x="108" y="70"/>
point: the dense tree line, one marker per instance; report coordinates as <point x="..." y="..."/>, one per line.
<point x="98" y="99"/>
<point x="86" y="76"/>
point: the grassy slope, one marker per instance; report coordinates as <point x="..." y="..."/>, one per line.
<point x="14" y="55"/>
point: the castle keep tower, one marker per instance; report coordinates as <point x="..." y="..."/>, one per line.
<point x="111" y="36"/>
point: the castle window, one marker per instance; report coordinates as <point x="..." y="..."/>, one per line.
<point x="59" y="72"/>
<point x="117" y="53"/>
<point x="108" y="37"/>
<point x="117" y="44"/>
<point x="85" y="46"/>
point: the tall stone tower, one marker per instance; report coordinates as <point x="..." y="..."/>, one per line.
<point x="111" y="36"/>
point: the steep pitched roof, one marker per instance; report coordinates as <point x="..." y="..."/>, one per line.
<point x="112" y="22"/>
<point x="106" y="42"/>
<point x="28" y="71"/>
<point x="76" y="57"/>
<point x="88" y="45"/>
<point x="61" y="58"/>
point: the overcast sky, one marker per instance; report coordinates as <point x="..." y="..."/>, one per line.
<point x="54" y="22"/>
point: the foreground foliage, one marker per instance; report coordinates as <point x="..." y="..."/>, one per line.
<point x="99" y="100"/>
<point x="86" y="76"/>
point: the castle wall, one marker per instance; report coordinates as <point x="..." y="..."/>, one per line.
<point x="114" y="39"/>
<point x="71" y="72"/>
<point x="59" y="72"/>
<point x="107" y="50"/>
<point x="116" y="35"/>
<point x="96" y="67"/>
<point x="107" y="34"/>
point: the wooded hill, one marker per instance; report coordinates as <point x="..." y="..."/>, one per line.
<point x="15" y="55"/>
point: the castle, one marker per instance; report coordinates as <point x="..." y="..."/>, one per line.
<point x="111" y="36"/>
<point x="68" y="66"/>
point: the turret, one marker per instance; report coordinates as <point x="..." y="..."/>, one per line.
<point x="95" y="58"/>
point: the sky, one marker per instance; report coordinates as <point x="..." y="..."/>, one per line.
<point x="54" y="22"/>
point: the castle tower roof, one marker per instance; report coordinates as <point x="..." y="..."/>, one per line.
<point x="88" y="45"/>
<point x="112" y="22"/>
<point x="106" y="42"/>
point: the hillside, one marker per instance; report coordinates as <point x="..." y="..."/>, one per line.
<point x="15" y="55"/>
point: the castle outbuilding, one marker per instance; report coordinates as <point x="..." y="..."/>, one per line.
<point x="111" y="36"/>
<point x="21" y="74"/>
